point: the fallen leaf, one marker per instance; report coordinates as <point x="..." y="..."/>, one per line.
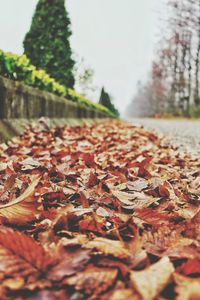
<point x="186" y="288"/>
<point x="124" y="294"/>
<point x="166" y="242"/>
<point x="94" y="280"/>
<point x="71" y="263"/>
<point x="108" y="247"/>
<point x="106" y="201"/>
<point x="20" y="256"/>
<point x="92" y="180"/>
<point x="22" y="209"/>
<point x="134" y="200"/>
<point x="191" y="267"/>
<point x="151" y="281"/>
<point x="137" y="185"/>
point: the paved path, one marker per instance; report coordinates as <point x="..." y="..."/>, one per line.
<point x="185" y="134"/>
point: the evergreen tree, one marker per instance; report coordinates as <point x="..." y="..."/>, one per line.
<point x="106" y="100"/>
<point x="47" y="43"/>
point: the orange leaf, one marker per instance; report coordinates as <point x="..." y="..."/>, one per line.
<point x="22" y="209"/>
<point x="191" y="267"/>
<point x="22" y="257"/>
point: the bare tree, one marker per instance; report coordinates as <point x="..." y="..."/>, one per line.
<point x="174" y="80"/>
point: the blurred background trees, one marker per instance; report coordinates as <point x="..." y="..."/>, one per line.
<point x="83" y="75"/>
<point x="47" y="45"/>
<point x="173" y="85"/>
<point x="106" y="100"/>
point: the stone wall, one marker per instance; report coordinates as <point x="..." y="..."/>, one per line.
<point x="10" y="128"/>
<point x="20" y="101"/>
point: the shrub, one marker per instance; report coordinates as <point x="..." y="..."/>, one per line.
<point x="47" y="43"/>
<point x="19" y="68"/>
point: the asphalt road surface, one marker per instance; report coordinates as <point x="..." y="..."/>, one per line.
<point x="182" y="133"/>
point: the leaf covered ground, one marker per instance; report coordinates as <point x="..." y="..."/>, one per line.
<point x="104" y="211"/>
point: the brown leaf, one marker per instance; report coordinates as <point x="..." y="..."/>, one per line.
<point x="52" y="199"/>
<point x="154" y="217"/>
<point x="151" y="281"/>
<point x="102" y="212"/>
<point x="22" y="209"/>
<point x="93" y="223"/>
<point x="137" y="185"/>
<point x="108" y="247"/>
<point x="187" y="288"/>
<point x="134" y="200"/>
<point x="71" y="263"/>
<point x="114" y="263"/>
<point x="191" y="267"/>
<point x="165" y="241"/>
<point x="93" y="180"/>
<point x="13" y="284"/>
<point x="29" y="164"/>
<point x="163" y="191"/>
<point x="124" y="294"/>
<point x="77" y="240"/>
<point x="84" y="201"/>
<point x="92" y="176"/>
<point x="88" y="159"/>
<point x="192" y="229"/>
<point x="22" y="257"/>
<point x="93" y="280"/>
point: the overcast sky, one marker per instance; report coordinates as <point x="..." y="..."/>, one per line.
<point x="116" y="37"/>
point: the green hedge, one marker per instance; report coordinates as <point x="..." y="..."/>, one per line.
<point x="19" y="68"/>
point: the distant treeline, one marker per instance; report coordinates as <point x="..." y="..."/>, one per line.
<point x="173" y="86"/>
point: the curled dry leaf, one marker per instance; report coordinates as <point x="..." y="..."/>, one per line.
<point x="13" y="284"/>
<point x="109" y="247"/>
<point x="134" y="200"/>
<point x="22" y="209"/>
<point x="29" y="164"/>
<point x="151" y="281"/>
<point x="94" y="280"/>
<point x="137" y="185"/>
<point x="77" y="240"/>
<point x="115" y="264"/>
<point x="102" y="212"/>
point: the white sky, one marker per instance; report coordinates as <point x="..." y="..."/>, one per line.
<point x="116" y="37"/>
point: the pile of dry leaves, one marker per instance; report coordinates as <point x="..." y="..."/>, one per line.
<point x="104" y="211"/>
